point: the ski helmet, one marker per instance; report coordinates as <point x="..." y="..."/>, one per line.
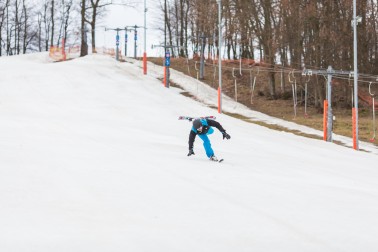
<point x="197" y="124"/>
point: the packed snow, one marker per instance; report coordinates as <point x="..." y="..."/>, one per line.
<point x="93" y="158"/>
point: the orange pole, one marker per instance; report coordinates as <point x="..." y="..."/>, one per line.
<point x="354" y="128"/>
<point x="144" y="63"/>
<point x="63" y="49"/>
<point x="325" y="119"/>
<point x="219" y="94"/>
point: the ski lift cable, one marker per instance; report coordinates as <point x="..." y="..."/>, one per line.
<point x="293" y="71"/>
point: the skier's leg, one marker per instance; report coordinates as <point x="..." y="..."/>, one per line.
<point x="211" y="131"/>
<point x="207" y="145"/>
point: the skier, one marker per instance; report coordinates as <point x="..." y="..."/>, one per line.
<point x="203" y="127"/>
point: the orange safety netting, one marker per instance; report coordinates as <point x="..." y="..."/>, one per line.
<point x="61" y="53"/>
<point x="57" y="53"/>
<point x="109" y="51"/>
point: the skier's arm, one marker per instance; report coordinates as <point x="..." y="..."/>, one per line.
<point x="216" y="125"/>
<point x="192" y="137"/>
<point x="219" y="127"/>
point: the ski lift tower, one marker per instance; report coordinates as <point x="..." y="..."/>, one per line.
<point x="355" y="21"/>
<point x="220" y="55"/>
<point x="135" y="27"/>
<point x="126" y="39"/>
<point x="167" y="61"/>
<point x="117" y="39"/>
<point x="145" y="40"/>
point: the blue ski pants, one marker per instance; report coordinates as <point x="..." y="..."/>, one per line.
<point x="207" y="144"/>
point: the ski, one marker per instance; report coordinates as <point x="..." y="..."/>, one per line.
<point x="218" y="160"/>
<point x="192" y="118"/>
<point x="215" y="159"/>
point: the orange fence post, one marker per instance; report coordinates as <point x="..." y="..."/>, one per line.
<point x="63" y="49"/>
<point x="325" y="119"/>
<point x="219" y="100"/>
<point x="144" y="63"/>
<point x="354" y="128"/>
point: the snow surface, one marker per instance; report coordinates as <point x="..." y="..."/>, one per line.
<point x="93" y="158"/>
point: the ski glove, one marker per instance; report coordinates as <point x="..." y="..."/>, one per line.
<point x="191" y="152"/>
<point x="225" y="135"/>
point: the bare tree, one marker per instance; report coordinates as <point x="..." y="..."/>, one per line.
<point x="9" y="29"/>
<point x="68" y="7"/>
<point x="3" y="9"/>
<point x="26" y="28"/>
<point x="96" y="8"/>
<point x="263" y="14"/>
<point x="65" y="9"/>
<point x="47" y="23"/>
<point x="52" y="21"/>
<point x="17" y="27"/>
<point x="84" y="45"/>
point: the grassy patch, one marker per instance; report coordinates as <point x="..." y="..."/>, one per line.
<point x="282" y="108"/>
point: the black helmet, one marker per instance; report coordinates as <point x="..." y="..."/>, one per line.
<point x="197" y="124"/>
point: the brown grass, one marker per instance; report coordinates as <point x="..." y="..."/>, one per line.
<point x="283" y="106"/>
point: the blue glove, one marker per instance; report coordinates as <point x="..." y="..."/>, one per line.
<point x="225" y="135"/>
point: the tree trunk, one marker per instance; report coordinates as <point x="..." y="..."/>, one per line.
<point x="93" y="25"/>
<point x="9" y="34"/>
<point x="16" y="28"/>
<point x="182" y="18"/>
<point x="84" y="45"/>
<point x="52" y="22"/>
<point x="25" y="38"/>
<point x="47" y="26"/>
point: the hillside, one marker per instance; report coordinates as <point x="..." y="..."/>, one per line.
<point x="282" y="107"/>
<point x="93" y="158"/>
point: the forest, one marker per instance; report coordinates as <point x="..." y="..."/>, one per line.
<point x="290" y="34"/>
<point x="36" y="25"/>
<point x="281" y="34"/>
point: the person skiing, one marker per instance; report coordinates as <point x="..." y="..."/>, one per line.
<point x="203" y="127"/>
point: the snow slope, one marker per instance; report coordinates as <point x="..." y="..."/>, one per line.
<point x="93" y="158"/>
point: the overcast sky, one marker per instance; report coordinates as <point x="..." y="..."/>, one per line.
<point x="120" y="17"/>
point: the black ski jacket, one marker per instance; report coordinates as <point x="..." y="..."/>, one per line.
<point x="205" y="129"/>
